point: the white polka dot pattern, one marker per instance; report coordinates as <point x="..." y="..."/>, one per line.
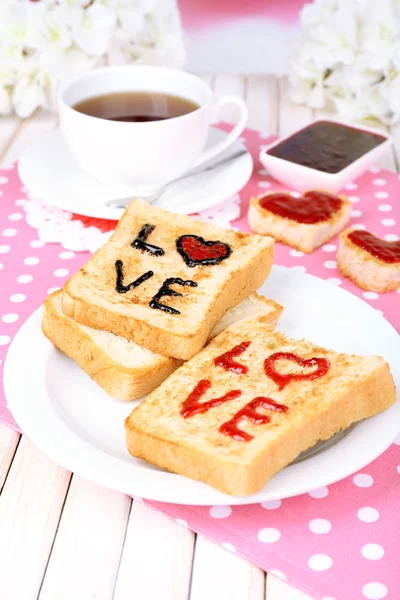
<point x="17" y="298"/>
<point x="367" y="514"/>
<point x="320" y="526"/>
<point x="320" y="562"/>
<point x="61" y="272"/>
<point x="321" y="492"/>
<point x="271" y="504"/>
<point x="31" y="260"/>
<point x="10" y="318"/>
<point x="363" y="480"/>
<point x="372" y="551"/>
<point x="374" y="591"/>
<point x="24" y="278"/>
<point x="220" y="512"/>
<point x="269" y="535"/>
<point x="9" y="232"/>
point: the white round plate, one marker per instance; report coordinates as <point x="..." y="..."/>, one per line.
<point x="50" y="172"/>
<point x="74" y="422"/>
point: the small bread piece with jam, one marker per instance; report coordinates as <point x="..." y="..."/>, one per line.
<point x="305" y="222"/>
<point x="373" y="264"/>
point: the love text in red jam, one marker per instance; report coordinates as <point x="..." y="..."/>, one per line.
<point x="192" y="406"/>
<point x="388" y="252"/>
<point x="249" y="412"/>
<point x="312" y="207"/>
<point x="283" y="379"/>
<point x="226" y="360"/>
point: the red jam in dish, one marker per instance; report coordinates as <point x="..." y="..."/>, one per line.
<point x="195" y="250"/>
<point x="312" y="207"/>
<point x="283" y="379"/>
<point x="192" y="406"/>
<point x="226" y="360"/>
<point x="249" y="412"/>
<point x="327" y="146"/>
<point x="388" y="252"/>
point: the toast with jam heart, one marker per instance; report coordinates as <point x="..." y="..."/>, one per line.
<point x="164" y="280"/>
<point x="304" y="222"/>
<point x="373" y="264"/>
<point x="250" y="402"/>
<point x="122" y="368"/>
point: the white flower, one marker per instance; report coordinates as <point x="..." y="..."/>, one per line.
<point x="44" y="42"/>
<point x="92" y="28"/>
<point x="54" y="28"/>
<point x="350" y="57"/>
<point x="29" y="93"/>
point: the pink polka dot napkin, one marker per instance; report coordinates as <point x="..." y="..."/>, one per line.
<point x="341" y="542"/>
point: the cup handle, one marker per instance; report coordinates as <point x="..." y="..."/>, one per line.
<point x="232" y="136"/>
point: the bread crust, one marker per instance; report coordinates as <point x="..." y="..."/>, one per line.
<point x="302" y="236"/>
<point x="183" y="336"/>
<point x="365" y="270"/>
<point x="120" y="382"/>
<point x="354" y="388"/>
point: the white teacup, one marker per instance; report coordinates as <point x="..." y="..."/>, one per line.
<point x="142" y="155"/>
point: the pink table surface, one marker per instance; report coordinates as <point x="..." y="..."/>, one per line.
<point x="341" y="542"/>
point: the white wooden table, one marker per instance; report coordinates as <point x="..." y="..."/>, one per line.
<point x="65" y="538"/>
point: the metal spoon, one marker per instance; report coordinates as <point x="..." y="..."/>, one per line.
<point x="123" y="202"/>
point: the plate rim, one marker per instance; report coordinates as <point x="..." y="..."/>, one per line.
<point x="103" y="470"/>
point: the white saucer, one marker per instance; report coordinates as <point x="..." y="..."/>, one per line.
<point x="51" y="173"/>
<point x="72" y="420"/>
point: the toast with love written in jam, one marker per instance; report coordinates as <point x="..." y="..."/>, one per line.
<point x="164" y="280"/>
<point x="372" y="263"/>
<point x="304" y="222"/>
<point x="250" y="402"/>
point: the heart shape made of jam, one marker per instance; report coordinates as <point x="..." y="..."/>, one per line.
<point x="283" y="379"/>
<point x="312" y="207"/>
<point x="195" y="250"/>
<point x="388" y="252"/>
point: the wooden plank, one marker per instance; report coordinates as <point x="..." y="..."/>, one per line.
<point x="229" y="85"/>
<point x="8" y="444"/>
<point x="219" y="573"/>
<point x="8" y="129"/>
<point x="157" y="557"/>
<point x="30" y="506"/>
<point x="395" y="131"/>
<point x="280" y="590"/>
<point x="261" y="94"/>
<point x="290" y="116"/>
<point x="86" y="554"/>
<point x="27" y="132"/>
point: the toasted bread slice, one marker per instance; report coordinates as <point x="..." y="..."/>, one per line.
<point x="124" y="369"/>
<point x="353" y="388"/>
<point x="302" y="236"/>
<point x="198" y="300"/>
<point x="367" y="271"/>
